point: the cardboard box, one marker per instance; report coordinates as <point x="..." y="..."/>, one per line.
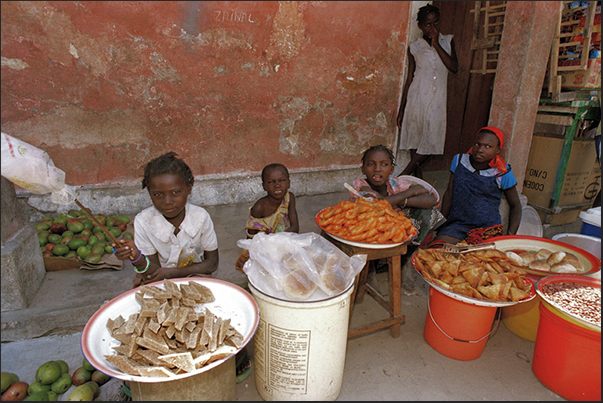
<point x="582" y="177"/>
<point x="589" y="78"/>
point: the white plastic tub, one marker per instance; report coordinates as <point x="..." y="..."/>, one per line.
<point x="299" y="348"/>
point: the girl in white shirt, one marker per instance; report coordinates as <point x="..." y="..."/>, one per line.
<point x="173" y="238"/>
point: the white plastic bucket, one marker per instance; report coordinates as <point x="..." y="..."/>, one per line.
<point x="299" y="348"/>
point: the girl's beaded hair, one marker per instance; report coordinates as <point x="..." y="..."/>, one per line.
<point x="167" y="163"/>
<point x="425" y="11"/>
<point x="379" y="147"/>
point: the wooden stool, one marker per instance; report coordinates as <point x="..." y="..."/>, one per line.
<point x="393" y="304"/>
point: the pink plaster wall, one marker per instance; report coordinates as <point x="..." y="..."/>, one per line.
<point x="525" y="48"/>
<point x="231" y="86"/>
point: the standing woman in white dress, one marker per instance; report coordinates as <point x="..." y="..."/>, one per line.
<point x="422" y="114"/>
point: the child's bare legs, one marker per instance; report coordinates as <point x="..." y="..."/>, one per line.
<point x="415" y="164"/>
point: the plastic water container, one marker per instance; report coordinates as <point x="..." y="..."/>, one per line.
<point x="591" y="222"/>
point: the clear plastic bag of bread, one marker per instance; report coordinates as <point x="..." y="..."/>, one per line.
<point x="299" y="267"/>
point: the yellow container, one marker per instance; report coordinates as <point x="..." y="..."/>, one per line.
<point x="522" y="319"/>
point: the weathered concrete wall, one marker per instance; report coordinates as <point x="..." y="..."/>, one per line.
<point x="103" y="87"/>
<point x="22" y="263"/>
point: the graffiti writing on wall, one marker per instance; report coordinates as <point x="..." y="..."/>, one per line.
<point x="234" y="16"/>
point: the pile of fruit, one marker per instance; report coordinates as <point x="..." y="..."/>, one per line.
<point x="75" y="235"/>
<point x="52" y="379"/>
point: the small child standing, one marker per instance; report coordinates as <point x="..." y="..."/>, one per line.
<point x="274" y="212"/>
<point x="414" y="200"/>
<point x="173" y="238"/>
<point x="422" y="114"/>
<point x="472" y="200"/>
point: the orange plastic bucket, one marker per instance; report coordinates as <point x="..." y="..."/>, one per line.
<point x="567" y="355"/>
<point x="455" y="328"/>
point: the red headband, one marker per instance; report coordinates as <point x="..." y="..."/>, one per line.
<point x="496" y="162"/>
<point x="496" y="131"/>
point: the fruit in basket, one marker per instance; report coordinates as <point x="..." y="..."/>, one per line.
<point x="67" y="233"/>
<point x="83" y="252"/>
<point x="111" y="221"/>
<point x="60" y="249"/>
<point x="54" y="238"/>
<point x="75" y="225"/>
<point x="75" y="243"/>
<point x="66" y="240"/>
<point x="93" y="258"/>
<point x="43" y="225"/>
<point x="42" y="239"/>
<point x="57" y="228"/>
<point x="115" y="231"/>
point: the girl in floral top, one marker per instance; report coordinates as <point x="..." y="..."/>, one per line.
<point x="416" y="201"/>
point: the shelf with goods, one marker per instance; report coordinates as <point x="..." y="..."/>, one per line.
<point x="562" y="176"/>
<point x="576" y="51"/>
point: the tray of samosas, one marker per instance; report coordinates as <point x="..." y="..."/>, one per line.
<point x="366" y="224"/>
<point x="485" y="277"/>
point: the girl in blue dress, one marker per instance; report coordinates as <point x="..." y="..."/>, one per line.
<point x="471" y="202"/>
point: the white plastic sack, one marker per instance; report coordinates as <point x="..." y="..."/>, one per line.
<point x="33" y="170"/>
<point x="300" y="267"/>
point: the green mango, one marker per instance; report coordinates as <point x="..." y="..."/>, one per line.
<point x="37" y="397"/>
<point x="124" y="219"/>
<point x="115" y="231"/>
<point x="60" y="250"/>
<point x="8" y="379"/>
<point x="64" y="366"/>
<point x="95" y="388"/>
<point x="81" y="393"/>
<point x="93" y="258"/>
<point x="54" y="238"/>
<point x="37" y="387"/>
<point x="76" y="243"/>
<point x="68" y="233"/>
<point x="50" y="371"/>
<point x="62" y="384"/>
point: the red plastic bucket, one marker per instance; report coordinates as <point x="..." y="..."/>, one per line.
<point x="567" y="355"/>
<point x="455" y="328"/>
